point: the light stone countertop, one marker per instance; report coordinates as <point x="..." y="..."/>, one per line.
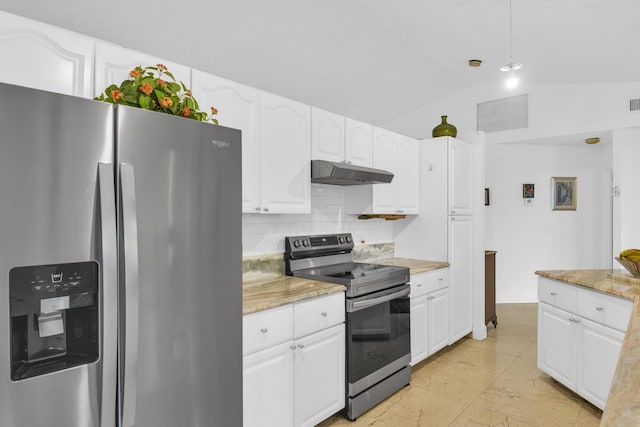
<point x="265" y="290"/>
<point x="258" y="296"/>
<point x="623" y="406"/>
<point x="416" y="266"/>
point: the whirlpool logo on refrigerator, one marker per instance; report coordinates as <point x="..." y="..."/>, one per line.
<point x="221" y="144"/>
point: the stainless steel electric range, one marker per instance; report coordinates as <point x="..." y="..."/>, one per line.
<point x="377" y="311"/>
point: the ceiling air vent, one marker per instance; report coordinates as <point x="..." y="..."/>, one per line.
<point x="634" y="104"/>
<point x="503" y="114"/>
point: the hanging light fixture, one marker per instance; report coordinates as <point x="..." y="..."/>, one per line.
<point x="511" y="68"/>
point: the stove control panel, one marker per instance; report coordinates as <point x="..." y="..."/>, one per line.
<point x="296" y="246"/>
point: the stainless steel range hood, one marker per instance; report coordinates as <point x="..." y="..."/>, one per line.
<point x="325" y="172"/>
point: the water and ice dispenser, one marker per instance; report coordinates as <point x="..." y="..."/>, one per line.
<point x="54" y="313"/>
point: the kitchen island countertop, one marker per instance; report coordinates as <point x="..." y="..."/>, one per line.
<point x="623" y="405"/>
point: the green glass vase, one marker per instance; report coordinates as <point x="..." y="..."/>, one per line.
<point x="444" y="129"/>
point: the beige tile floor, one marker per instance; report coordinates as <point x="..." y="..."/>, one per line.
<point x="494" y="382"/>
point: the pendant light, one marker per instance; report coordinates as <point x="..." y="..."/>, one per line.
<point x="511" y="68"/>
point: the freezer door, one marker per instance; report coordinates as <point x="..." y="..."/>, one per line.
<point x="181" y="276"/>
<point x="58" y="252"/>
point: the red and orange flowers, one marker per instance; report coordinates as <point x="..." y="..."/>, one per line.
<point x="156" y="89"/>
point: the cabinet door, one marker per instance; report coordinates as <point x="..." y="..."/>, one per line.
<point x="239" y="108"/>
<point x="44" y="57"/>
<point x="319" y="376"/>
<point x="267" y="381"/>
<point x="358" y="143"/>
<point x="419" y="330"/>
<point x="598" y="351"/>
<point x="438" y="320"/>
<point x="385" y="198"/>
<point x="460" y="256"/>
<point x="113" y="64"/>
<point x="285" y="154"/>
<point x="407" y="175"/>
<point x="557" y="344"/>
<point x="461" y="166"/>
<point x="327" y="135"/>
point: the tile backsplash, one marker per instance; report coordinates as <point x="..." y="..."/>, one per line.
<point x="264" y="234"/>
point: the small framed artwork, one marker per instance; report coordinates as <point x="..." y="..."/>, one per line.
<point x="528" y="191"/>
<point x="487" y="200"/>
<point x="564" y="193"/>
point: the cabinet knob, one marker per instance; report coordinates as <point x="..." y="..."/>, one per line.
<point x="419" y="285"/>
<point x="266" y="209"/>
<point x="292" y="347"/>
<point x="257" y="208"/>
<point x="323" y="314"/>
<point x="430" y="297"/>
<point x="553" y="294"/>
<point x="440" y="279"/>
<point x="264" y="330"/>
<point x="600" y="308"/>
<point x="300" y="345"/>
<point x="576" y="320"/>
<point x="453" y="211"/>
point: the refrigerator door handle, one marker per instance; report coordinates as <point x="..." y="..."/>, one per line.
<point x="129" y="287"/>
<point x="108" y="257"/>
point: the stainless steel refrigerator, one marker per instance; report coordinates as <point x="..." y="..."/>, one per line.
<point x="121" y="263"/>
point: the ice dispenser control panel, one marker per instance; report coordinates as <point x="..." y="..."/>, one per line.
<point x="54" y="317"/>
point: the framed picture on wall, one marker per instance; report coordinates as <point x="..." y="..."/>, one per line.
<point x="564" y="193"/>
<point x="528" y="191"/>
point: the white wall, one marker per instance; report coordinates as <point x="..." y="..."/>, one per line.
<point x="264" y="234"/>
<point x="554" y="110"/>
<point x="536" y="238"/>
<point x="626" y="176"/>
<point x="530" y="238"/>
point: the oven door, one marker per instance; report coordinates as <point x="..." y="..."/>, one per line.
<point x="378" y="337"/>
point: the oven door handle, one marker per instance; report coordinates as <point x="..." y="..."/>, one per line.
<point x="361" y="304"/>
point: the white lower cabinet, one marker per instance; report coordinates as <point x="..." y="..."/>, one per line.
<point x="319" y="376"/>
<point x="267" y="381"/>
<point x="298" y="382"/>
<point x="429" y="314"/>
<point x="574" y="349"/>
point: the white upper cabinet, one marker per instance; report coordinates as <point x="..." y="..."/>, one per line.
<point x="113" y="64"/>
<point x="285" y="155"/>
<point x="358" y="143"/>
<point x="461" y="163"/>
<point x="339" y="139"/>
<point x="45" y="57"/>
<point x="239" y="108"/>
<point x="399" y="155"/>
<point x="385" y="196"/>
<point x="327" y="135"/>
<point x="407" y="175"/>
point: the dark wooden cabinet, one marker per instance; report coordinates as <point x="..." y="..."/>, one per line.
<point x="490" y="288"/>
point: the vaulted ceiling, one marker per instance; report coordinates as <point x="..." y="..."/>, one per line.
<point x="373" y="60"/>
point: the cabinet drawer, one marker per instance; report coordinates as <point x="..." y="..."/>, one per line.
<point x="557" y="294"/>
<point x="608" y="310"/>
<point x="318" y="314"/>
<point x="424" y="283"/>
<point x="266" y="328"/>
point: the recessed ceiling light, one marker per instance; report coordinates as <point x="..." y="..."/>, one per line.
<point x="592" y="140"/>
<point x="475" y="62"/>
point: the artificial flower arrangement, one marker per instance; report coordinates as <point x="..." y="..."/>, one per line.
<point x="155" y="88"/>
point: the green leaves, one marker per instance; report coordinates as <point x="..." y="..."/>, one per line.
<point x="156" y="89"/>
